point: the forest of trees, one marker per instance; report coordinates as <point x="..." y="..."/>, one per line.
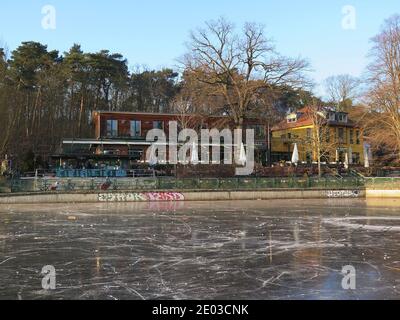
<point x="46" y="96"/>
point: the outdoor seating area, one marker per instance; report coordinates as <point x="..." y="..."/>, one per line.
<point x="89" y="173"/>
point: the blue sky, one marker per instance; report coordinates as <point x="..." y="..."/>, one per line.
<point x="153" y="32"/>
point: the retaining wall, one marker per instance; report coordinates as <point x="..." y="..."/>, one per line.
<point x="141" y="196"/>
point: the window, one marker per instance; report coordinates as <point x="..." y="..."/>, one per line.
<point x="341" y="135"/>
<point x="291" y="118"/>
<point x="158" y="125"/>
<point x="331" y="116"/>
<point x="112" y="128"/>
<point x="135" y="154"/>
<point x="356" y="158"/>
<point x="358" y="137"/>
<point x="259" y="132"/>
<point x="136" y="129"/>
<point x="342" y="156"/>
<point x="309" y="133"/>
<point x="351" y="137"/>
<point x="341" y="117"/>
<point x="325" y="157"/>
<point x="328" y="135"/>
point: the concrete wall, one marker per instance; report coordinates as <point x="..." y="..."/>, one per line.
<point x="93" y="197"/>
<point x="4" y="187"/>
<point x="179" y="196"/>
<point x="382" y="193"/>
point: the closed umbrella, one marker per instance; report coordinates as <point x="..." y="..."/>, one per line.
<point x="195" y="155"/>
<point x="337" y="156"/>
<point x="295" y="155"/>
<point x="242" y="155"/>
<point x="152" y="157"/>
<point x="346" y="161"/>
<point x="366" y="158"/>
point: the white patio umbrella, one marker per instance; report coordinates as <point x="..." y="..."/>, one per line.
<point x="242" y="155"/>
<point x="152" y="157"/>
<point x="194" y="159"/>
<point x="366" y="159"/>
<point x="346" y="161"/>
<point x="295" y="155"/>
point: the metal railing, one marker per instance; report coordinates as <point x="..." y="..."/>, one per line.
<point x="103" y="173"/>
<point x="383" y="183"/>
<point x="88" y="173"/>
<point x="165" y="183"/>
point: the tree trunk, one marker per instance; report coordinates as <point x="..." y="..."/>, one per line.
<point x="80" y="117"/>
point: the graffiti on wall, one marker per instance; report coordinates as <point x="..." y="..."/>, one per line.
<point x="141" y="196"/>
<point x="343" y="193"/>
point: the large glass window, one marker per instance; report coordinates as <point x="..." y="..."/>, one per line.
<point x="136" y="129"/>
<point x="259" y="131"/>
<point x="358" y="137"/>
<point x="112" y="128"/>
<point x="158" y="125"/>
<point x="135" y="154"/>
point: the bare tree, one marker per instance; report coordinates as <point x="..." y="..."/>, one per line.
<point x="319" y="142"/>
<point x="342" y="90"/>
<point x="237" y="67"/>
<point x="384" y="80"/>
<point x="187" y="117"/>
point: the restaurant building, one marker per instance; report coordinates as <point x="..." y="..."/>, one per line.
<point x="119" y="140"/>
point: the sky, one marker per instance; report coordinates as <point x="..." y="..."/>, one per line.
<point x="333" y="35"/>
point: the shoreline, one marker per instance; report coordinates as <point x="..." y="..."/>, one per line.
<point x="193" y="195"/>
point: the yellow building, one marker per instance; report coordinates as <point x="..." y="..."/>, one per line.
<point x="338" y="136"/>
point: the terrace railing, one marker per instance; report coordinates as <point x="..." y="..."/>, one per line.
<point x="88" y="173"/>
<point x="166" y="183"/>
<point x="102" y="173"/>
<point x="383" y="183"/>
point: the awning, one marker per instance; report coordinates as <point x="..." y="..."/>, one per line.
<point x="107" y="142"/>
<point x="138" y="143"/>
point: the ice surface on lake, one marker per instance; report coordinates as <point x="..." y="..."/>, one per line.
<point x="201" y="250"/>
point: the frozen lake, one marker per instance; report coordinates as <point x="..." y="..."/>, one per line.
<point x="205" y="250"/>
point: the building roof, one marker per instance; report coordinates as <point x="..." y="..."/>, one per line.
<point x="304" y="119"/>
<point x="173" y="115"/>
<point x="301" y="122"/>
<point x="155" y="114"/>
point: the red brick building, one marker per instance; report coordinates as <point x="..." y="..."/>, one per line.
<point x="120" y="137"/>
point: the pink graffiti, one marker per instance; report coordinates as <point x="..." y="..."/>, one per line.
<point x="142" y="196"/>
<point x="164" y="196"/>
